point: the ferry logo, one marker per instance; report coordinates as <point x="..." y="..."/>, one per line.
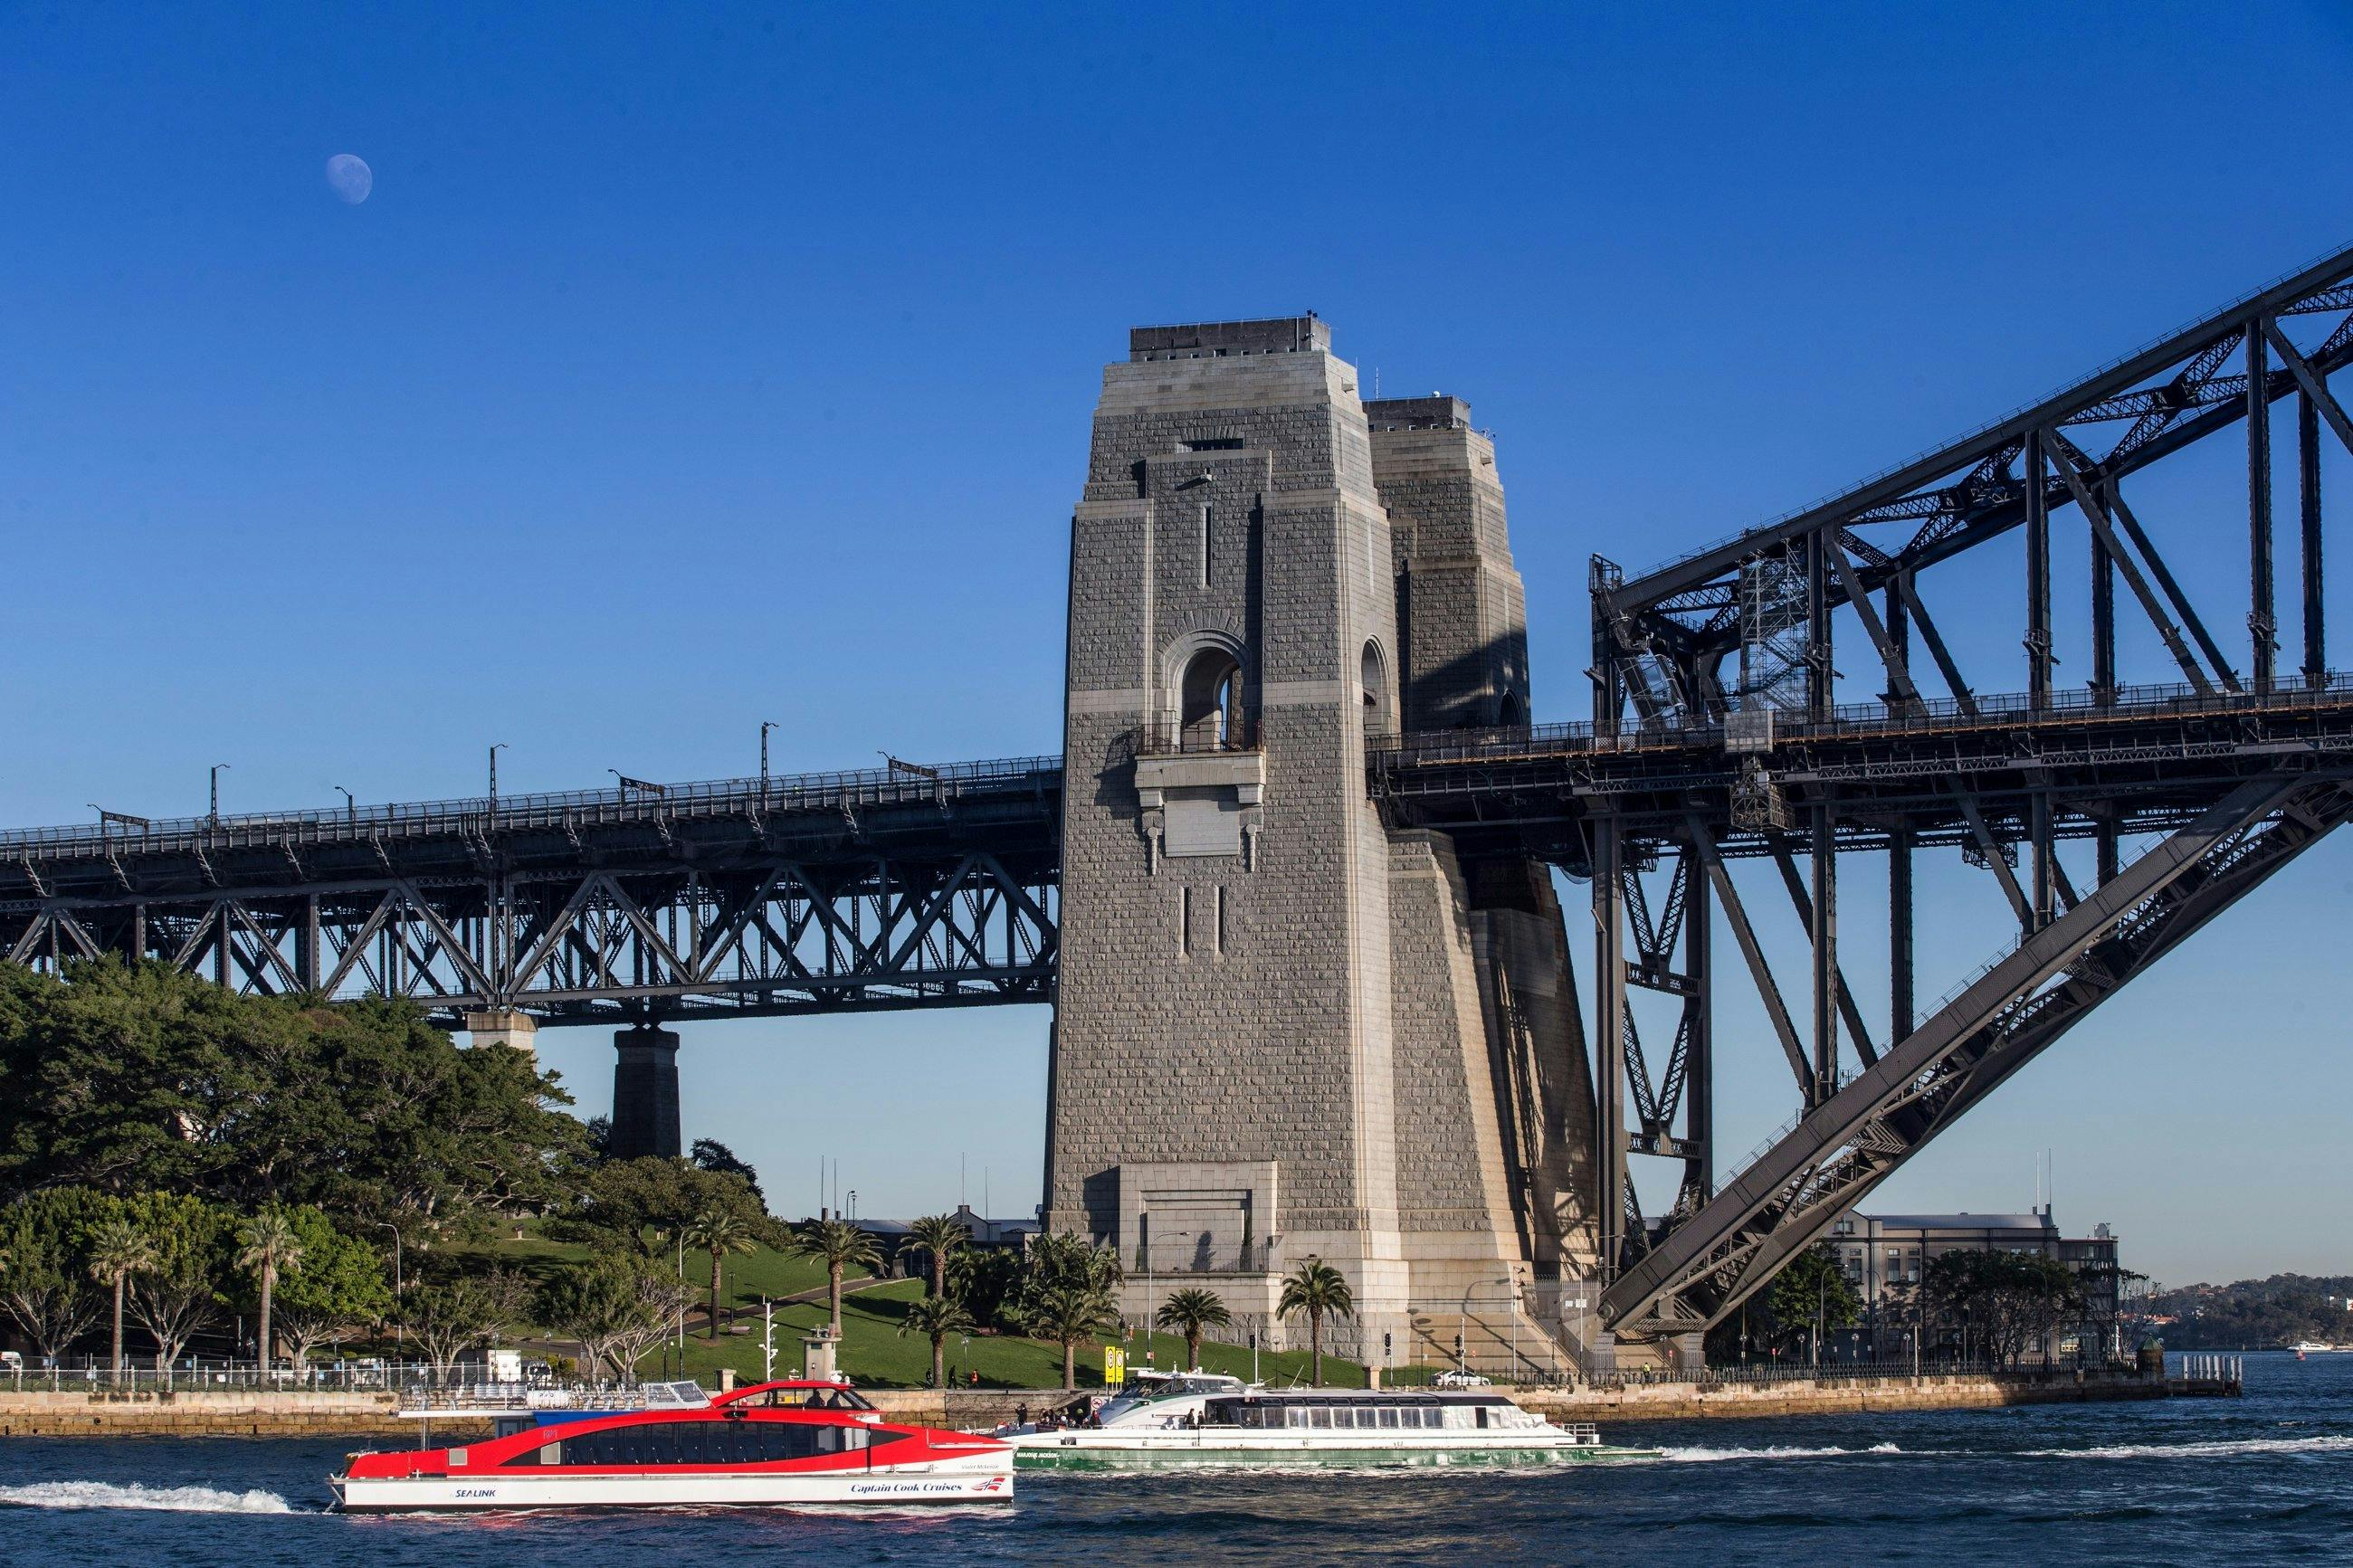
<point x="993" y="1483"/>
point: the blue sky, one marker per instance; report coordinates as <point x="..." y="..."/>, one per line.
<point x="691" y="368"/>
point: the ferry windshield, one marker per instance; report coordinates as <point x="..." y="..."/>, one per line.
<point x="807" y="1399"/>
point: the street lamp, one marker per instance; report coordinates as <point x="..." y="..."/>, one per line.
<point x="765" y="725"/>
<point x="351" y="806"/>
<point x="215" y="818"/>
<point x="494" y="777"/>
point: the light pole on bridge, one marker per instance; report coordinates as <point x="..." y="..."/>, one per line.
<point x="214" y="818"/>
<point x="765" y="725"/>
<point x="351" y="806"/>
<point x="494" y="777"/>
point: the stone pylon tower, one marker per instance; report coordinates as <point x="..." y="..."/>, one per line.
<point x="1284" y="1031"/>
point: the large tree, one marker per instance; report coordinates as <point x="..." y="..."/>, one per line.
<point x="1066" y="1293"/>
<point x="616" y="1307"/>
<point x="178" y="1294"/>
<point x="719" y="1231"/>
<point x="118" y="1250"/>
<point x="938" y="1236"/>
<point x="2003" y="1301"/>
<point x="267" y="1248"/>
<point x="450" y="1316"/>
<point x="45" y="1283"/>
<point x="1192" y="1313"/>
<point x="1812" y="1296"/>
<point x="643" y="1206"/>
<point x="339" y="1288"/>
<point x="136" y="1076"/>
<point x="1316" y="1290"/>
<point x="935" y="1318"/>
<point x="839" y="1245"/>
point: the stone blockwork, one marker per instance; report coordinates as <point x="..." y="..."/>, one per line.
<point x="199" y="1413"/>
<point x="1256" y="973"/>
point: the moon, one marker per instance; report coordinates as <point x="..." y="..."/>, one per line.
<point x="350" y="178"/>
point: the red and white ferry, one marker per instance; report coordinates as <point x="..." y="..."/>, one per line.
<point x="791" y="1442"/>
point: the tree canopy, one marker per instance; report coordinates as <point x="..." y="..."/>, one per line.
<point x="137" y="1077"/>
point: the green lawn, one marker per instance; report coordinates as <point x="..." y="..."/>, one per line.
<point x="873" y="1352"/>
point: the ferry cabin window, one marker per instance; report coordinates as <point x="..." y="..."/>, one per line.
<point x="697" y="1443"/>
<point x="1389" y="1417"/>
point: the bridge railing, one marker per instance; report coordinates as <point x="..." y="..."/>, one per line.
<point x="794" y="792"/>
<point x="1866" y="718"/>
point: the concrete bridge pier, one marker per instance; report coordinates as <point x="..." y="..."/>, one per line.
<point x="503" y="1026"/>
<point x="645" y="1094"/>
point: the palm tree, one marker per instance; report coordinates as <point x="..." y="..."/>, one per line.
<point x="837" y="1243"/>
<point x="938" y="1235"/>
<point x="1187" y="1312"/>
<point x="267" y="1247"/>
<point x="118" y="1250"/>
<point x="935" y="1318"/>
<point x="1068" y="1312"/>
<point x="718" y="1231"/>
<point x="1316" y="1289"/>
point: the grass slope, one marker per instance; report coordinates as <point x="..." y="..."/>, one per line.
<point x="873" y="1352"/>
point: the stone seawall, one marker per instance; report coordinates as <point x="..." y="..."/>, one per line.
<point x="1827" y="1397"/>
<point x="200" y="1413"/>
<point x="209" y="1414"/>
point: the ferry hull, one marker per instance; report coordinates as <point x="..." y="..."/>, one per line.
<point x="1031" y="1455"/>
<point x="983" y="1478"/>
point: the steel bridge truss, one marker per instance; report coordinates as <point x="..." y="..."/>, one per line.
<point x="1737" y="645"/>
<point x="927" y="888"/>
<point x="775" y="939"/>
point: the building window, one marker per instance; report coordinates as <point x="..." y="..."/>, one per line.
<point x="1184" y="922"/>
<point x="1207" y="518"/>
<point x="1219" y="947"/>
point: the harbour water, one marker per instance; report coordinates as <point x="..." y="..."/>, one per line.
<point x="2265" y="1478"/>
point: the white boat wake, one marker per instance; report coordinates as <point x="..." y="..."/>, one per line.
<point x="130" y="1495"/>
<point x="1718" y="1456"/>
<point x="2223" y="1450"/>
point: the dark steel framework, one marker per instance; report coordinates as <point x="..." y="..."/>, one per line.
<point x="1716" y="734"/>
<point x="1716" y="738"/>
<point x="894" y="888"/>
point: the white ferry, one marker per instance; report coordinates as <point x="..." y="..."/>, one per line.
<point x="1200" y="1418"/>
<point x="2311" y="1347"/>
<point x="775" y="1443"/>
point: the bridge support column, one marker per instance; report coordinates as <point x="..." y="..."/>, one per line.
<point x="645" y="1094"/>
<point x="503" y="1026"/>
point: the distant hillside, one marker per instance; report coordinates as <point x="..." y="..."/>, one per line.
<point x="2254" y="1314"/>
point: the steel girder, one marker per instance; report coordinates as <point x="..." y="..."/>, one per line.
<point x="779" y="936"/>
<point x="1850" y="1140"/>
<point x="887" y="888"/>
<point x="1660" y="637"/>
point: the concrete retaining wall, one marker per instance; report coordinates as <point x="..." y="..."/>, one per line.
<point x="215" y="1414"/>
<point x="1830" y="1396"/>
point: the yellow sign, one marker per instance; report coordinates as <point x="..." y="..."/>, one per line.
<point x="1114" y="1366"/>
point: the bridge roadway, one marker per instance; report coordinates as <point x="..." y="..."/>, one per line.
<point x="902" y="888"/>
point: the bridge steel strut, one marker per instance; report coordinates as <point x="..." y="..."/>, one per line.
<point x="1719" y="734"/>
<point x="2088" y="763"/>
<point x="886" y="889"/>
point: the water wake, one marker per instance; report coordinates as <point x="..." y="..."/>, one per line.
<point x="163" y="1499"/>
<point x="1717" y="1456"/>
<point x="2223" y="1450"/>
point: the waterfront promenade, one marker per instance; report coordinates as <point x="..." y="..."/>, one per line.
<point x="228" y="1412"/>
